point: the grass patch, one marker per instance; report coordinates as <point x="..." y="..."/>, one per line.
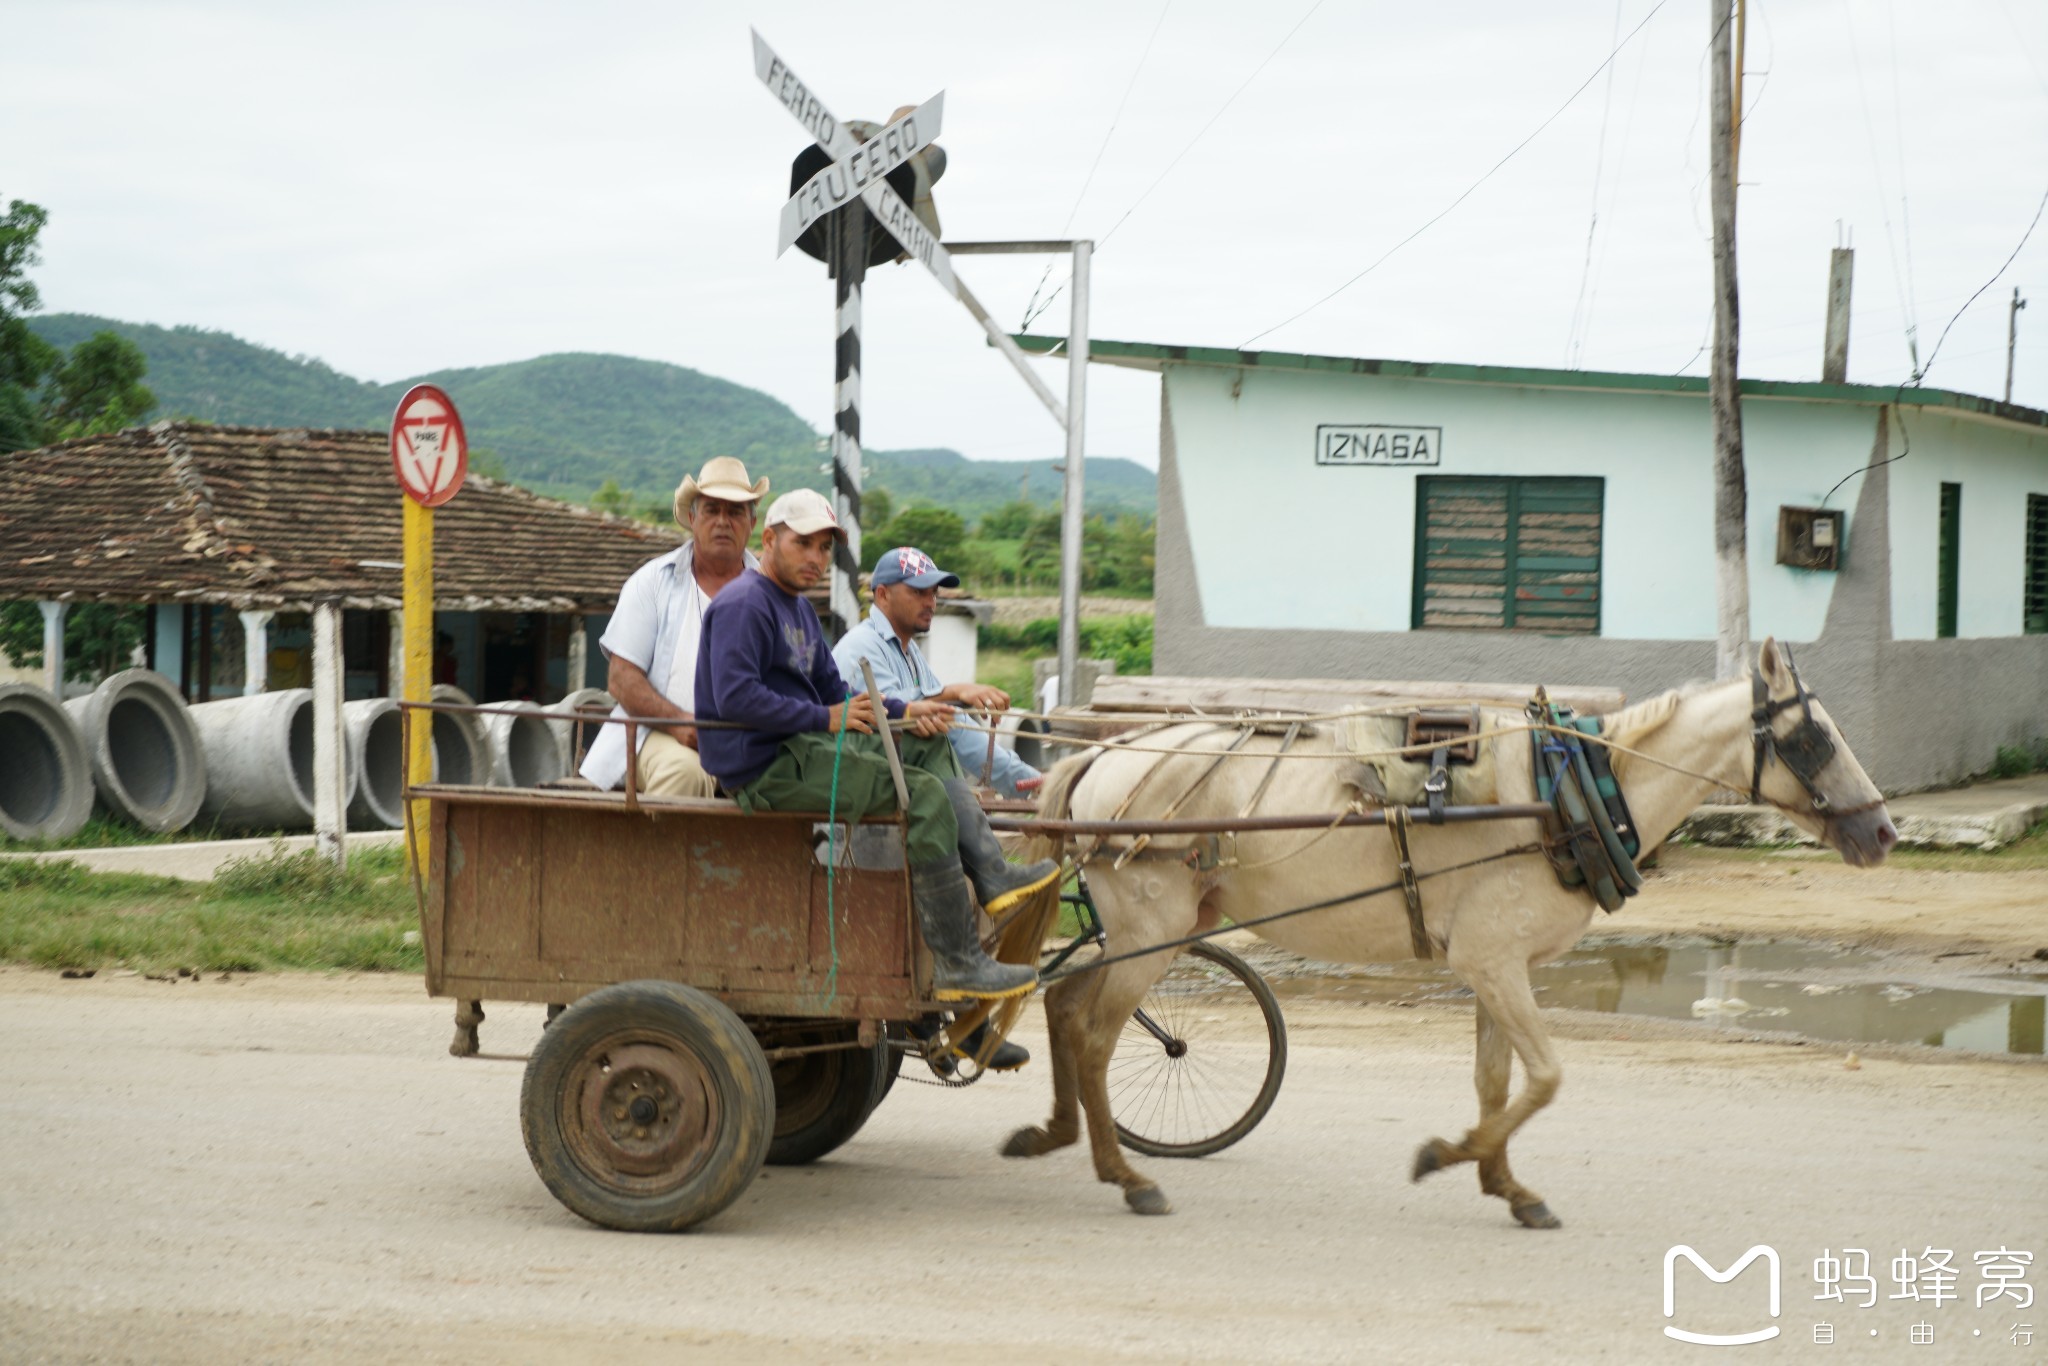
<point x="104" y="832"/>
<point x="272" y="911"/>
<point x="2028" y="852"/>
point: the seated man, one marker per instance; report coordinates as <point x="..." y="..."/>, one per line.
<point x="906" y="588"/>
<point x="764" y="665"/>
<point x="653" y="636"/>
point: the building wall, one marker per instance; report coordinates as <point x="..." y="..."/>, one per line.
<point x="1269" y="565"/>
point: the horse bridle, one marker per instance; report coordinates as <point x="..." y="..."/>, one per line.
<point x="1804" y="750"/>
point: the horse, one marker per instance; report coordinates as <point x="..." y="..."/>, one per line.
<point x="1492" y="906"/>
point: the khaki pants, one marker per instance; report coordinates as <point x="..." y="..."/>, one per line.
<point x="669" y="768"/>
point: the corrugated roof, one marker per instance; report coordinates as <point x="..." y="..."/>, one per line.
<point x="262" y="517"/>
<point x="1156" y="356"/>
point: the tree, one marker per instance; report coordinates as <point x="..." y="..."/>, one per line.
<point x="26" y="360"/>
<point x="611" y="498"/>
<point x="876" y="508"/>
<point x="938" y="532"/>
<point x="1007" y="523"/>
<point x="99" y="389"/>
<point x="99" y="637"/>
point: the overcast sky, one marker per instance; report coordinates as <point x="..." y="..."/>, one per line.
<point x="404" y="187"/>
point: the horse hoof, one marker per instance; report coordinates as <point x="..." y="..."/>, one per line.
<point x="1026" y="1142"/>
<point x="1537" y="1215"/>
<point x="1428" y="1158"/>
<point x="1148" y="1200"/>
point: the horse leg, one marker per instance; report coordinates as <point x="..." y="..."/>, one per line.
<point x="1096" y="1040"/>
<point x="1508" y="1018"/>
<point x="1063" y="1000"/>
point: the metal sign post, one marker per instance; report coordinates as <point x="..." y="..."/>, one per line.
<point x="855" y="181"/>
<point x="430" y="456"/>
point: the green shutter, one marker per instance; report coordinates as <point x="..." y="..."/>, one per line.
<point x="1950" y="555"/>
<point x="2035" y="594"/>
<point x="1507" y="554"/>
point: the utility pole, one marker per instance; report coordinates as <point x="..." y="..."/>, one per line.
<point x="2012" y="337"/>
<point x="1731" y="493"/>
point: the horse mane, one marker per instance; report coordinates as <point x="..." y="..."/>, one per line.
<point x="1634" y="724"/>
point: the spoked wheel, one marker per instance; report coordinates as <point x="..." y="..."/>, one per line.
<point x="823" y="1098"/>
<point x="647" y="1106"/>
<point x="1185" y="1081"/>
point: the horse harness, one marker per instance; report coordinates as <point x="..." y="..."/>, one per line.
<point x="1804" y="750"/>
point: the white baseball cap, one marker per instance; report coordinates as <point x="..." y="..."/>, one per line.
<point x="803" y="511"/>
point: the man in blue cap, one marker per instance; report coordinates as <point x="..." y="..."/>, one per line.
<point x="906" y="588"/>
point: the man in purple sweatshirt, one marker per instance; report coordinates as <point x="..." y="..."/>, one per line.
<point x="763" y="663"/>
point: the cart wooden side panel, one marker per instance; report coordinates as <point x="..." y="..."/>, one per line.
<point x="539" y="897"/>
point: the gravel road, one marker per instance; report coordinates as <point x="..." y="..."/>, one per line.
<point x="292" y="1168"/>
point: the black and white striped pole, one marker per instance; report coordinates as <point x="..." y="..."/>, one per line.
<point x="847" y="235"/>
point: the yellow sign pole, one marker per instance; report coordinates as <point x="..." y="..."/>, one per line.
<point x="419" y="662"/>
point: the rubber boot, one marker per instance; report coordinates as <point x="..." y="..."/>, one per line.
<point x="1008" y="1057"/>
<point x="999" y="883"/>
<point x="960" y="970"/>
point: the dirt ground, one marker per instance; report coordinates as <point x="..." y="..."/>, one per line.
<point x="290" y="1168"/>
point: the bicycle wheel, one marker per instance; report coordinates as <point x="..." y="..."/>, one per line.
<point x="1185" y="1081"/>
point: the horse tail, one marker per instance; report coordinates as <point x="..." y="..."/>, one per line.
<point x="1055" y="799"/>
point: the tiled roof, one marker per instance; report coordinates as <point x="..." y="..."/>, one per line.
<point x="261" y="517"/>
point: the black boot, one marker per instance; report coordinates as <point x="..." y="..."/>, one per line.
<point x="1008" y="1056"/>
<point x="999" y="883"/>
<point x="960" y="970"/>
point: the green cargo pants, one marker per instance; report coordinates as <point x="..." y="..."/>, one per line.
<point x="800" y="779"/>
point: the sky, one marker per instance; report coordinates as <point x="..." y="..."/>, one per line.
<point x="398" y="188"/>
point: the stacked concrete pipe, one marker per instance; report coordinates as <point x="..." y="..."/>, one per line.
<point x="147" y="761"/>
<point x="462" y="749"/>
<point x="259" y="761"/>
<point x="45" y="771"/>
<point x="525" y="751"/>
<point x="376" y="753"/>
<point x="597" y="702"/>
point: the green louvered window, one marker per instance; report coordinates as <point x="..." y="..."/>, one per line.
<point x="1508" y="554"/>
<point x="2035" y="595"/>
<point x="1949" y="552"/>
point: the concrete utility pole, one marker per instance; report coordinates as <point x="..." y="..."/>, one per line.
<point x="1834" y="359"/>
<point x="330" y="738"/>
<point x="1731" y="492"/>
<point x="2012" y="337"/>
<point x="1072" y="515"/>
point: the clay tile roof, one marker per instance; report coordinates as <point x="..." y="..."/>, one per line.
<point x="262" y="517"/>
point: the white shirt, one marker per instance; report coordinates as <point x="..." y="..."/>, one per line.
<point x="656" y="628"/>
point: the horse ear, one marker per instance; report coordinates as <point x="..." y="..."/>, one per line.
<point x="1770" y="662"/>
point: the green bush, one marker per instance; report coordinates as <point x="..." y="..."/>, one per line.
<point x="2017" y="761"/>
<point x="1127" y="640"/>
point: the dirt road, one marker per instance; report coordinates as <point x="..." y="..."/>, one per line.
<point x="291" y="1168"/>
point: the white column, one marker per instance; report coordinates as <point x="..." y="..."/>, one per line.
<point x="579" y="652"/>
<point x="53" y="644"/>
<point x="255" y="651"/>
<point x="394" y="657"/>
<point x="330" y="743"/>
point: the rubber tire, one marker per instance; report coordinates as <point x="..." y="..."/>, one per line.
<point x="1276" y="1063"/>
<point x="689" y="1023"/>
<point x="809" y="1124"/>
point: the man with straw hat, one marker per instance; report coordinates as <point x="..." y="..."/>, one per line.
<point x="653" y="636"/>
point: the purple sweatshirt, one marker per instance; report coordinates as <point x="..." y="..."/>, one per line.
<point x="762" y="662"/>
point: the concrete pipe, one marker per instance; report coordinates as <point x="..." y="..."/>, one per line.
<point x="259" y="761"/>
<point x="462" y="750"/>
<point x="45" y="771"/>
<point x="595" y="701"/>
<point x="376" y="753"/>
<point x="147" y="762"/>
<point x="524" y="749"/>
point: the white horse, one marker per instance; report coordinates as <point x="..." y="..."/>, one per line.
<point x="1490" y="922"/>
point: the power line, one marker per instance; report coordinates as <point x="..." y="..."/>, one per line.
<point x="1595" y="74"/>
<point x="1891" y="245"/>
<point x="1212" y="122"/>
<point x="1593" y="219"/>
<point x="1921" y="373"/>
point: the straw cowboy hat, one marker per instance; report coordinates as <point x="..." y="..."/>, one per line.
<point x="722" y="477"/>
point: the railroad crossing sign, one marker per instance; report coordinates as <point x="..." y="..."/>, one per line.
<point x="857" y="168"/>
<point x="429" y="452"/>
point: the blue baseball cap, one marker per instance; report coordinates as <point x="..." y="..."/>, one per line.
<point x="907" y="564"/>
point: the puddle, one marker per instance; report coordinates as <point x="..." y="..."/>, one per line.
<point x="1811" y="989"/>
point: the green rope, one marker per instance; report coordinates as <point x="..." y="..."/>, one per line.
<point x="832" y="866"/>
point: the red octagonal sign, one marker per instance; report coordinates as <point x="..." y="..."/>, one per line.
<point x="429" y="452"/>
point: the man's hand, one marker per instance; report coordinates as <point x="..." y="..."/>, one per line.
<point x="686" y="736"/>
<point x="856" y="714"/>
<point x="929" y="717"/>
<point x="980" y="696"/>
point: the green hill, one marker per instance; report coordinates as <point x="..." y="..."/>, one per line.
<point x="564" y="424"/>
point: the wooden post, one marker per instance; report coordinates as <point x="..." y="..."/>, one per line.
<point x="419" y="660"/>
<point x="2012" y="337"/>
<point x="847" y="234"/>
<point x="1731" y="492"/>
<point x="330" y="738"/>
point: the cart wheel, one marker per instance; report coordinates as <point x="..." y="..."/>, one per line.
<point x="1179" y="1086"/>
<point x="647" y="1107"/>
<point x="822" y="1099"/>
